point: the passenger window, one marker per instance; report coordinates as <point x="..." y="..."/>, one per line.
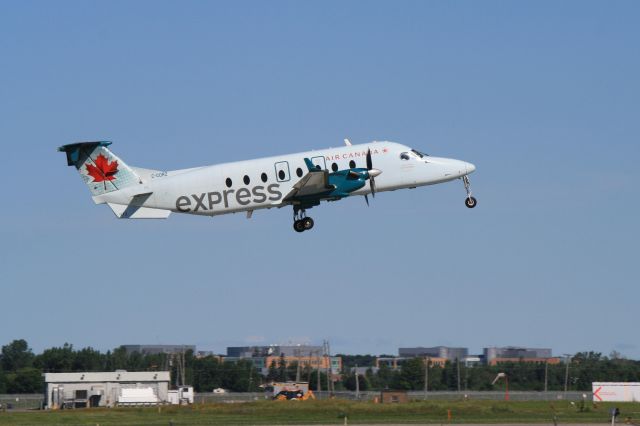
<point x="263" y="176"/>
<point x="405" y="156"/>
<point x="246" y="180"/>
<point x="299" y="172"/>
<point x="282" y="171"/>
<point x="334" y="167"/>
<point x="228" y="182"/>
<point x="352" y="164"/>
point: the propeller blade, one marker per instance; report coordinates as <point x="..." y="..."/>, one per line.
<point x="366" y="199"/>
<point x="372" y="174"/>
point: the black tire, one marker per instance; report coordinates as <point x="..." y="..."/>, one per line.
<point x="470" y="202"/>
<point x="308" y="223"/>
<point x="298" y="226"/>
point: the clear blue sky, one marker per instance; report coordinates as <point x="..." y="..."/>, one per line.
<point x="542" y="96"/>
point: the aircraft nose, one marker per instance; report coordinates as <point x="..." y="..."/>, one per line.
<point x="470" y="167"/>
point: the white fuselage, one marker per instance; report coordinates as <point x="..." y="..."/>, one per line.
<point x="263" y="183"/>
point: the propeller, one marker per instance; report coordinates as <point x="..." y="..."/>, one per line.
<point x="372" y="174"/>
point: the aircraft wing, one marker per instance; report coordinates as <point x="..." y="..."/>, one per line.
<point x="312" y="184"/>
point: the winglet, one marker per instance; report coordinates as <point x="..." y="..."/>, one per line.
<point x="347" y="142"/>
<point x="309" y="164"/>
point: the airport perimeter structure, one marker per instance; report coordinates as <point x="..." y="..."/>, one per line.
<point x="36" y="401"/>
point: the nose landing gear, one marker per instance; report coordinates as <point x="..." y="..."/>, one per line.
<point x="470" y="201"/>
<point x="301" y="222"/>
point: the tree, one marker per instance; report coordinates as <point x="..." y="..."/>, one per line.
<point x="411" y="375"/>
<point x="273" y="373"/>
<point x="3" y="382"/>
<point x="88" y="359"/>
<point x="313" y="382"/>
<point x="282" y="369"/>
<point x="16" y="355"/>
<point x="56" y="360"/>
<point x="385" y="377"/>
<point x="349" y="380"/>
<point x="207" y="374"/>
<point x="25" y="380"/>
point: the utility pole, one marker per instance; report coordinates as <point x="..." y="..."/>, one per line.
<point x="427" y="360"/>
<point x="184" y="368"/>
<point x="357" y="383"/>
<point x="328" y="358"/>
<point x="466" y="377"/>
<point x="319" y="386"/>
<point x="546" y="374"/>
<point x="297" y="354"/>
<point x="458" y="364"/>
<point x="332" y="385"/>
<point x="566" y="375"/>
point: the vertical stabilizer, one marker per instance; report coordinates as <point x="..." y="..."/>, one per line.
<point x="100" y="169"/>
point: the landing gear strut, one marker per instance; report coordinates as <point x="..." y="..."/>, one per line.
<point x="300" y="220"/>
<point x="470" y="201"/>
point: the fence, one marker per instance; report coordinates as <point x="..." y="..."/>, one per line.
<point x="35" y="401"/>
<point x="414" y="395"/>
<point x="22" y="401"/>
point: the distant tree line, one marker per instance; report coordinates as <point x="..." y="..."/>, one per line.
<point x="21" y="371"/>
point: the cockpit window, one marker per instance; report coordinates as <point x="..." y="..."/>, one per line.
<point x="419" y="154"/>
<point x="405" y="156"/>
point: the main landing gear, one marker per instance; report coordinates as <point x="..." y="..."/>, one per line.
<point x="470" y="201"/>
<point x="300" y="220"/>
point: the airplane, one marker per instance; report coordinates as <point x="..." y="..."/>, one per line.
<point x="300" y="180"/>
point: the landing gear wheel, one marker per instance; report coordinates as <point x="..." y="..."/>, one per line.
<point x="470" y="202"/>
<point x="298" y="225"/>
<point x="307" y="222"/>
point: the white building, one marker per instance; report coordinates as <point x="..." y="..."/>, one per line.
<point x="104" y="389"/>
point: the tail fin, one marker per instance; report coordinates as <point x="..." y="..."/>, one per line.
<point x="100" y="169"/>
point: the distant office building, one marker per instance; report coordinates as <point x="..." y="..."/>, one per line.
<point x="396" y="362"/>
<point x="265" y="356"/>
<point x="203" y="354"/>
<point x="472" y="360"/>
<point x="497" y="355"/>
<point x="273" y="350"/>
<point x="445" y="352"/>
<point x="158" y="349"/>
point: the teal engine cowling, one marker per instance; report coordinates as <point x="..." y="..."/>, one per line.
<point x="347" y="181"/>
<point x="341" y="183"/>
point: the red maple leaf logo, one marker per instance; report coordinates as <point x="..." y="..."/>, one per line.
<point x="103" y="170"/>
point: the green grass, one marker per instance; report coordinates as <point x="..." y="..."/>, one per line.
<point x="328" y="412"/>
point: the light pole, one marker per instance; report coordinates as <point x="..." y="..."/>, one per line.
<point x="546" y="374"/>
<point x="566" y="374"/>
<point x="458" y="367"/>
<point x="357" y="383"/>
<point x="506" y="379"/>
<point x="427" y="360"/>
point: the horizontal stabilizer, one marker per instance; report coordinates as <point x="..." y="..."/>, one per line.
<point x="135" y="212"/>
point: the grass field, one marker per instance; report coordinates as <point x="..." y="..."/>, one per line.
<point x="329" y="412"/>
